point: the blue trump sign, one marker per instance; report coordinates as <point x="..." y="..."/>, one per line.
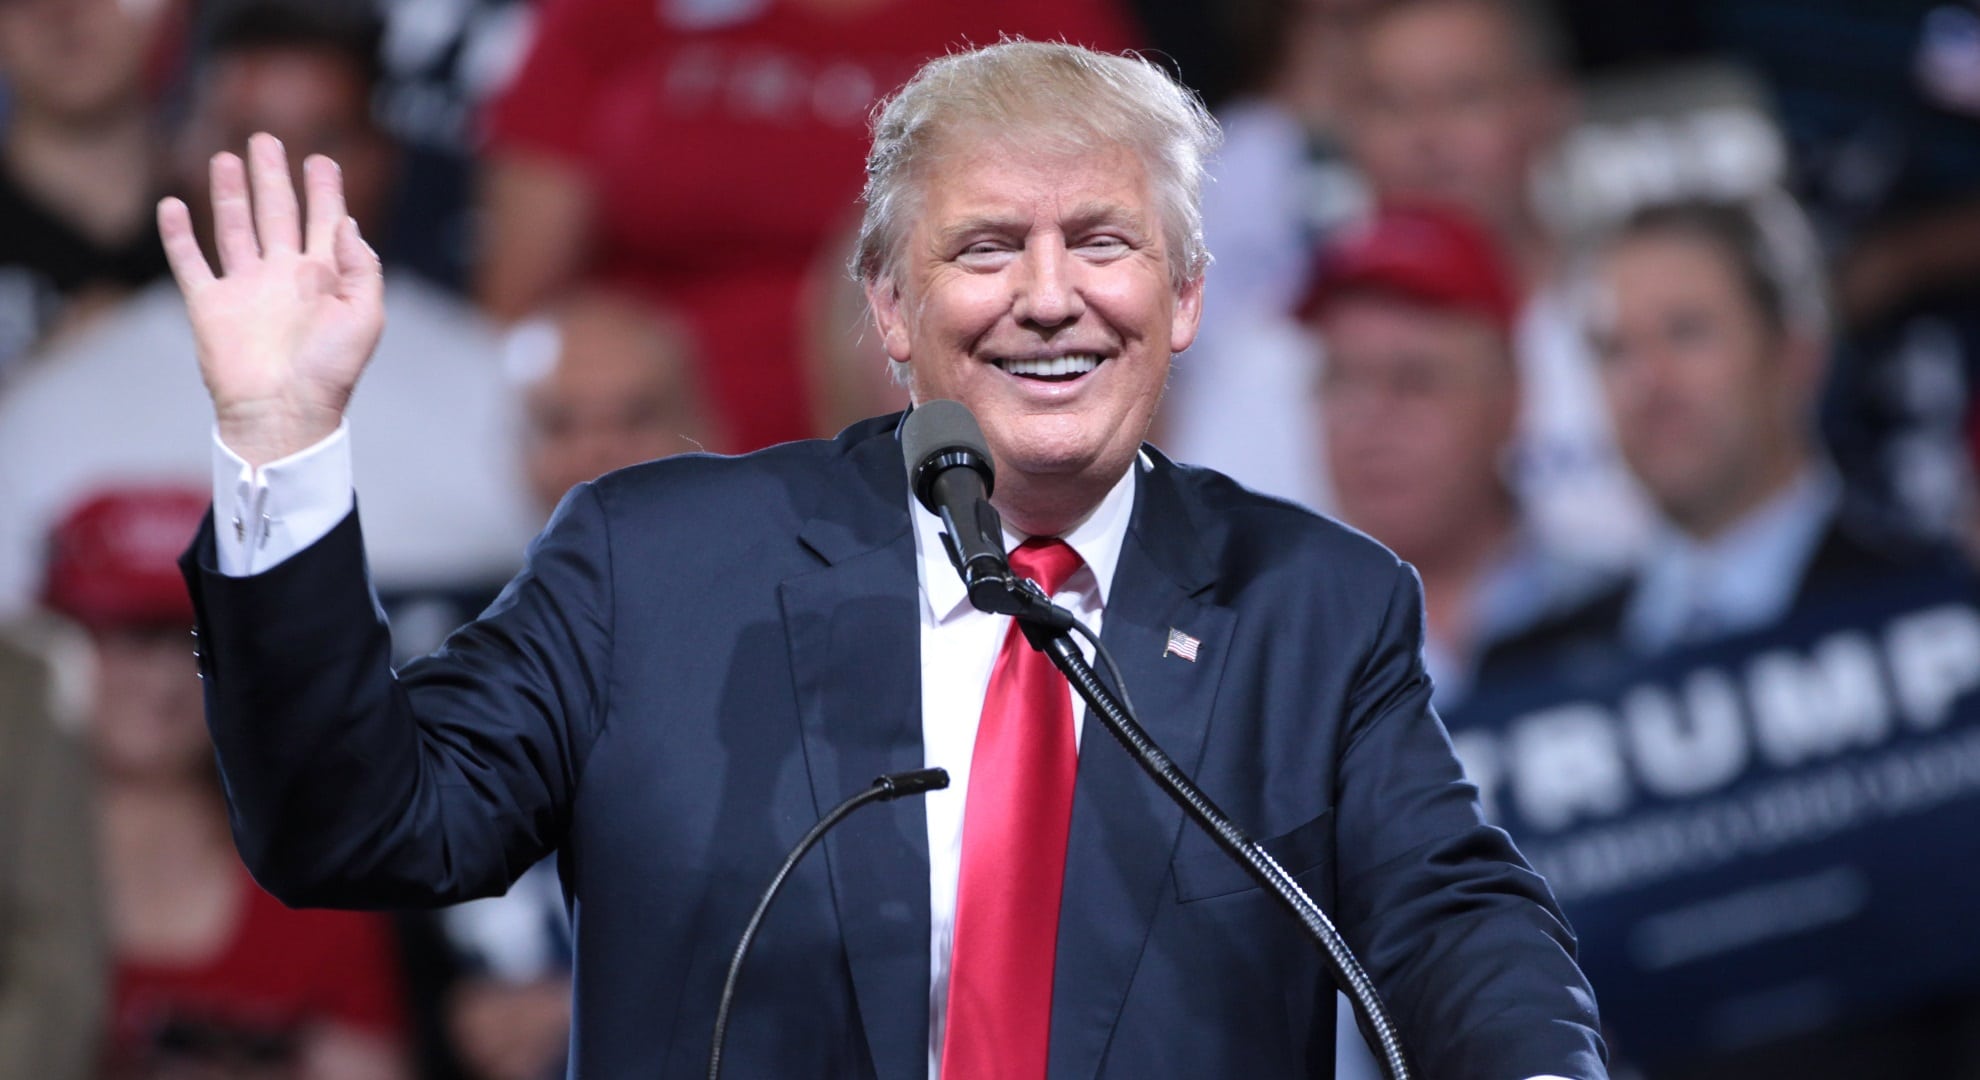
<point x="1760" y="836"/>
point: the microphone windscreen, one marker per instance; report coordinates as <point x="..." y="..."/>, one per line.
<point x="902" y="784"/>
<point x="935" y="428"/>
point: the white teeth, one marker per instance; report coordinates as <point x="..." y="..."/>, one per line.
<point x="1076" y="364"/>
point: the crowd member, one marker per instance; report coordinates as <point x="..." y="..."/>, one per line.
<point x="446" y="507"/>
<point x="1464" y="101"/>
<point x="1711" y="323"/>
<point x="1712" y="331"/>
<point x="212" y="976"/>
<point x="1882" y="117"/>
<point x="52" y="964"/>
<point x="1281" y="184"/>
<point x="1418" y="395"/>
<point x="1419" y="400"/>
<point x="1880" y="112"/>
<point x="706" y="155"/>
<point x="702" y="645"/>
<point x="846" y="366"/>
<point x="79" y="165"/>
<point x="606" y="382"/>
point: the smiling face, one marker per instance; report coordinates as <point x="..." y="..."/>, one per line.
<point x="1035" y="288"/>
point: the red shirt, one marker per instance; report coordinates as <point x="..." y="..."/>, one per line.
<point x="725" y="158"/>
<point x="281" y="972"/>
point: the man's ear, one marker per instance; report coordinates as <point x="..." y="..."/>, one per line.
<point x="883" y="298"/>
<point x="1188" y="314"/>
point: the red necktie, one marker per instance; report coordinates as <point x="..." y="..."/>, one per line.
<point x="1013" y="854"/>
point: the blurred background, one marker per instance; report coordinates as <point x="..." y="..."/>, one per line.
<point x="1646" y="333"/>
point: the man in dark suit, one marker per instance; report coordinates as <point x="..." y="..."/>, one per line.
<point x="705" y="653"/>
<point x="1710" y="320"/>
<point x="1711" y="325"/>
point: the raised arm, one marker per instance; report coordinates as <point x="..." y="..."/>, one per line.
<point x="350" y="785"/>
<point x="286" y="327"/>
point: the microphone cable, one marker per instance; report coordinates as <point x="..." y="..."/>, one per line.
<point x="886" y="788"/>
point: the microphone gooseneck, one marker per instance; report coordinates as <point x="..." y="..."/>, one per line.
<point x="950" y="469"/>
<point x="886" y="788"/>
<point x="1116" y="712"/>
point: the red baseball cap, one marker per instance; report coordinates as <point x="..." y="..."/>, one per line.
<point x="113" y="559"/>
<point x="1432" y="253"/>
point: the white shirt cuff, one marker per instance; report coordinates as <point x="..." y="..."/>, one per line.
<point x="263" y="516"/>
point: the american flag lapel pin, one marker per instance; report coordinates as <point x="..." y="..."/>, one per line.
<point x="1181" y="644"/>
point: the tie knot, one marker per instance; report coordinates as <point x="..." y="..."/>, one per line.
<point x="1047" y="560"/>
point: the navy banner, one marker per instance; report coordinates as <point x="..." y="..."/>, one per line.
<point x="1760" y="836"/>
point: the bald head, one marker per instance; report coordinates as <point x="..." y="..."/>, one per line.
<point x="606" y="382"/>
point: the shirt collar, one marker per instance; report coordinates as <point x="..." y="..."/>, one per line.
<point x="1747" y="576"/>
<point x="1097" y="538"/>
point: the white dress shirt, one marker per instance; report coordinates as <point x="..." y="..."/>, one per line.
<point x="959" y="647"/>
<point x="263" y="516"/>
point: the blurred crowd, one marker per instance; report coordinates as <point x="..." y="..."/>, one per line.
<point x="1647" y="334"/>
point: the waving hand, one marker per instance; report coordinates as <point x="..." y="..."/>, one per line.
<point x="286" y="327"/>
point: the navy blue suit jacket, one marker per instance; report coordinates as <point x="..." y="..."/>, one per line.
<point x="702" y="655"/>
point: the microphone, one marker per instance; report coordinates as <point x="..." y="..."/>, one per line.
<point x="949" y="468"/>
<point x="950" y="472"/>
<point x="892" y="786"/>
<point x="900" y="785"/>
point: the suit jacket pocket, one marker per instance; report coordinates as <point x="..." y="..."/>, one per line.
<point x="1201" y="875"/>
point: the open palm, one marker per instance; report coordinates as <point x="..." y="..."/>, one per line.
<point x="286" y="327"/>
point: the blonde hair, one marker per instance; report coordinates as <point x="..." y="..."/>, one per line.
<point x="1068" y="96"/>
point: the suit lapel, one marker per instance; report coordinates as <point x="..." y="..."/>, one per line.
<point x="1124" y="828"/>
<point x="854" y="632"/>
